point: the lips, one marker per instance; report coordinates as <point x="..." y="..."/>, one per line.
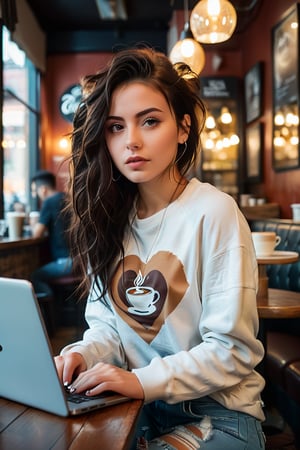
<point x="135" y="159"/>
<point x="136" y="162"/>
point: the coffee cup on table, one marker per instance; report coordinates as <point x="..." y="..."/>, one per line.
<point x="34" y="217"/>
<point x="15" y="222"/>
<point x="265" y="242"/>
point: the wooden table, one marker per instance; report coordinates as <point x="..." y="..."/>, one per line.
<point x="265" y="211"/>
<point x="26" y="428"/>
<point x="279" y="304"/>
<point x="278" y="257"/>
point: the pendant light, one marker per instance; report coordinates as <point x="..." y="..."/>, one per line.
<point x="187" y="49"/>
<point x="213" y="21"/>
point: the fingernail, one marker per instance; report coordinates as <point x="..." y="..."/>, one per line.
<point x="66" y="383"/>
<point x="72" y="389"/>
<point x="87" y="392"/>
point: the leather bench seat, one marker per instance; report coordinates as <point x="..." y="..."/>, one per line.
<point x="292" y="381"/>
<point x="282" y="350"/>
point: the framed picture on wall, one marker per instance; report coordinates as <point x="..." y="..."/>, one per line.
<point x="254" y="138"/>
<point x="253" y="92"/>
<point x="285" y="74"/>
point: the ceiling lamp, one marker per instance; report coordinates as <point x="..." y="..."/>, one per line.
<point x="187" y="50"/>
<point x="213" y="21"/>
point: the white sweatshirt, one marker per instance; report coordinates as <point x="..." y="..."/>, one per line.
<point x="182" y="309"/>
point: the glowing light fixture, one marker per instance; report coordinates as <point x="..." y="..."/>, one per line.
<point x="210" y="122"/>
<point x="279" y="118"/>
<point x="187" y="49"/>
<point x="213" y="21"/>
<point x="226" y="116"/>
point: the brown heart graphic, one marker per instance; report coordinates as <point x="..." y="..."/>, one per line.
<point x="163" y="274"/>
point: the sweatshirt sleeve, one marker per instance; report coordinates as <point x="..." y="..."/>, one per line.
<point x="101" y="341"/>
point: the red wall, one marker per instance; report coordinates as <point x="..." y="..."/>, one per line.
<point x="255" y="45"/>
<point x="62" y="72"/>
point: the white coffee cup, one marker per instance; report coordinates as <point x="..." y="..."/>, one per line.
<point x="15" y="222"/>
<point x="261" y="201"/>
<point x="265" y="242"/>
<point x="252" y="201"/>
<point x="3" y="227"/>
<point x="296" y="211"/>
<point x="34" y="217"/>
<point x="244" y="199"/>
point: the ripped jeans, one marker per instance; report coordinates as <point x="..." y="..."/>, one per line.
<point x="211" y="426"/>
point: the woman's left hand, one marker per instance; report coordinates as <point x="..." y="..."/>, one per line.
<point x="106" y="377"/>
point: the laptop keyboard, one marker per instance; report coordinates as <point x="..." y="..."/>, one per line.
<point x="80" y="398"/>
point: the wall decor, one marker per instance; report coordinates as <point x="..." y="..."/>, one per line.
<point x="253" y="92"/>
<point x="254" y="139"/>
<point x="285" y="56"/>
<point x="69" y="101"/>
<point x="221" y="136"/>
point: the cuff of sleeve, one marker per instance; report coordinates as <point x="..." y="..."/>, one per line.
<point x="154" y="382"/>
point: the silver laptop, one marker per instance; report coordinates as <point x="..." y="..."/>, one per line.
<point x="27" y="371"/>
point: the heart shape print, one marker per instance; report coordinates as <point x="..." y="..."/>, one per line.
<point x="145" y="294"/>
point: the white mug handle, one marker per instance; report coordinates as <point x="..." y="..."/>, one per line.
<point x="277" y="240"/>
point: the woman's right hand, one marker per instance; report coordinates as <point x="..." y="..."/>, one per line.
<point x="69" y="366"/>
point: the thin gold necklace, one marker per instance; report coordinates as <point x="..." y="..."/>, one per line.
<point x="157" y="234"/>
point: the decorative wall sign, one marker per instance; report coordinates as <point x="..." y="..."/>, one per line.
<point x="254" y="135"/>
<point x="285" y="44"/>
<point x="69" y="102"/>
<point x="253" y="92"/>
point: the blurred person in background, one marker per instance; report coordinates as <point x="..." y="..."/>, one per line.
<point x="54" y="223"/>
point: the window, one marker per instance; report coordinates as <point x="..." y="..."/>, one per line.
<point x="20" y="121"/>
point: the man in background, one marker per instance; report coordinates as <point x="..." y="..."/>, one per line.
<point x="53" y="222"/>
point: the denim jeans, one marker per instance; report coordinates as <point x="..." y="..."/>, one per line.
<point x="216" y="427"/>
<point x="41" y="276"/>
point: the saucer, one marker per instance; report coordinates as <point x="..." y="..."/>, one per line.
<point x="138" y="312"/>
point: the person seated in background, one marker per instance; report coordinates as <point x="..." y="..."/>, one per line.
<point x="54" y="223"/>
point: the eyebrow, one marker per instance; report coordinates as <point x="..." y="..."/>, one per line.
<point x="139" y="114"/>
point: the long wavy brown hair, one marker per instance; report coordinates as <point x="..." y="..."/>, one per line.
<point x="100" y="198"/>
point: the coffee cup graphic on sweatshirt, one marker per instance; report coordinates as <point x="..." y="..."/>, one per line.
<point x="141" y="298"/>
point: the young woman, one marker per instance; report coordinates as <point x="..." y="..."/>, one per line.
<point x="168" y="262"/>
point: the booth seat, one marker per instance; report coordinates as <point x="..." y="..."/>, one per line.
<point x="283" y="335"/>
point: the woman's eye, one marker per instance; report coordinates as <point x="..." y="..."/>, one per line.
<point x="151" y="122"/>
<point x="115" y="127"/>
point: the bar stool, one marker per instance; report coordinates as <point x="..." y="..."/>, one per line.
<point x="69" y="308"/>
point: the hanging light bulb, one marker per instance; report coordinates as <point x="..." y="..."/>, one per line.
<point x="213" y="21"/>
<point x="226" y="116"/>
<point x="210" y="122"/>
<point x="279" y="118"/>
<point x="187" y="50"/>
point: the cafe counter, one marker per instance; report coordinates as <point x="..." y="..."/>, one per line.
<point x="19" y="258"/>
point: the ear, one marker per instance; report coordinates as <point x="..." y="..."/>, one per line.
<point x="184" y="129"/>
